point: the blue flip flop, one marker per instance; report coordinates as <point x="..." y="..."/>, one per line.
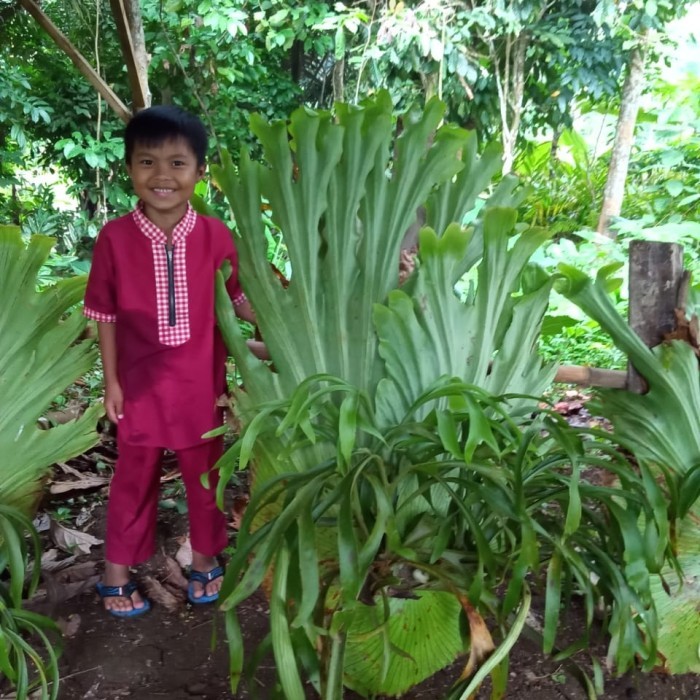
<point x="204" y="578"/>
<point x="124" y="591"/>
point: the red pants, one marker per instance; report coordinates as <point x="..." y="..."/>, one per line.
<point x="133" y="502"/>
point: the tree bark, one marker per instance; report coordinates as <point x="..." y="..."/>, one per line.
<point x="656" y="275"/>
<point x="127" y="17"/>
<point x="339" y="81"/>
<point x="77" y="58"/>
<point x="510" y="84"/>
<point x="624" y="138"/>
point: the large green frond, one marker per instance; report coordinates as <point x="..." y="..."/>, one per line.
<point x="41" y="353"/>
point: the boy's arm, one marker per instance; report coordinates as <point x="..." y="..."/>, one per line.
<point x="241" y="305"/>
<point x="100" y="306"/>
<point x="245" y="311"/>
<point x="114" y="398"/>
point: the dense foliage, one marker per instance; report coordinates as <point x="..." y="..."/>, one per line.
<point x="392" y="433"/>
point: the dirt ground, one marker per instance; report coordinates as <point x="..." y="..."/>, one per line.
<point x="178" y="651"/>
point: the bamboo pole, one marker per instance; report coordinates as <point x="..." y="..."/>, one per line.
<point x="591" y="376"/>
<point x="78" y="59"/>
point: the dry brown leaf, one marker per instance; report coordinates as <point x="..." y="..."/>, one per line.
<point x="78" y="572"/>
<point x="184" y="554"/>
<point x="240" y="503"/>
<point x="481" y="642"/>
<point x="50" y="561"/>
<point x="69" y="626"/>
<point x="72" y="541"/>
<point x="58" y="590"/>
<point x="84" y="481"/>
<point x="173" y="574"/>
<point x="160" y="594"/>
<point x="170" y="475"/>
<point x="224" y="401"/>
<point x="42" y="522"/>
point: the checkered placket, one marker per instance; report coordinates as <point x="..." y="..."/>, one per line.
<point x="179" y="332"/>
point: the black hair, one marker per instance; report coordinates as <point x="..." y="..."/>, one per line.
<point x="156" y="125"/>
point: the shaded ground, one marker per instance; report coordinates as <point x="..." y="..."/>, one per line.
<point x="178" y="651"/>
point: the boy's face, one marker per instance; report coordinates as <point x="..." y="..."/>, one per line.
<point x="164" y="178"/>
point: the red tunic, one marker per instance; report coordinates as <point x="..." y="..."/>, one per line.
<point x="170" y="358"/>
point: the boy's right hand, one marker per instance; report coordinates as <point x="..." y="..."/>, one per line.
<point x="114" y="402"/>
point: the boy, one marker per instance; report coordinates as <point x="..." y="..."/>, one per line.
<point x="151" y="292"/>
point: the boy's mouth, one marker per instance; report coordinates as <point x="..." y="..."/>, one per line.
<point x="163" y="190"/>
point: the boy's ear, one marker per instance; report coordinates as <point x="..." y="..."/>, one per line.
<point x="201" y="169"/>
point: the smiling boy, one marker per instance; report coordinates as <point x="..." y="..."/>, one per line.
<point x="151" y="292"/>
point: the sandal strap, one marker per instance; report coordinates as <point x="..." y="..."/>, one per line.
<point x="206" y="576"/>
<point x="124" y="591"/>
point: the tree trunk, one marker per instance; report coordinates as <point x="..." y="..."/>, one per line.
<point x="510" y="83"/>
<point x="339" y="81"/>
<point x="127" y="17"/>
<point x="624" y="138"/>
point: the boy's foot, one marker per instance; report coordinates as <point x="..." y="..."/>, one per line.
<point x="205" y="565"/>
<point x="117" y="575"/>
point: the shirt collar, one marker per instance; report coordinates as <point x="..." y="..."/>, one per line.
<point x="150" y="230"/>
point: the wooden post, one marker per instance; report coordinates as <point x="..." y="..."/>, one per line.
<point x="655" y="273"/>
<point x="591" y="376"/>
<point x="127" y="17"/>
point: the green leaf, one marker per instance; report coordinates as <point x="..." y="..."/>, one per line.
<point x="287" y="669"/>
<point x="679" y="622"/>
<point x="425" y="630"/>
<point x="40" y="355"/>
<point x="552" y="602"/>
<point x="339" y="43"/>
<point x="674" y="187"/>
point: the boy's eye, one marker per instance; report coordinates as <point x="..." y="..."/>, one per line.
<point x="178" y="163"/>
<point x="145" y="161"/>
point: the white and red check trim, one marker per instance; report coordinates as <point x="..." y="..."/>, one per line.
<point x="99" y="316"/>
<point x="180" y="332"/>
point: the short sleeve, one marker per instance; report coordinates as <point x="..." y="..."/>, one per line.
<point x="100" y="295"/>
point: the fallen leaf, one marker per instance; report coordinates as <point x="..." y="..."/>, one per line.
<point x="89" y="481"/>
<point x="69" y="626"/>
<point x="170" y="475"/>
<point x="83" y="517"/>
<point x="481" y="642"/>
<point x="72" y="541"/>
<point x="60" y="590"/>
<point x="173" y="574"/>
<point x="158" y="593"/>
<point x="64" y="415"/>
<point x="51" y="562"/>
<point x="184" y="554"/>
<point x="224" y="401"/>
<point x="77" y="572"/>
<point x="240" y="503"/>
<point x="42" y="522"/>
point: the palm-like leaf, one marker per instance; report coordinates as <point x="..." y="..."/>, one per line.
<point x="343" y="194"/>
<point x="662" y="429"/>
<point x="40" y="354"/>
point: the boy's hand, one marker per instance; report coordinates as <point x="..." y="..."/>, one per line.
<point x="258" y="349"/>
<point x="114" y="402"/>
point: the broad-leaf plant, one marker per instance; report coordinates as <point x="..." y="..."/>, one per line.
<point x="41" y="353"/>
<point x="404" y="485"/>
<point x="662" y="429"/>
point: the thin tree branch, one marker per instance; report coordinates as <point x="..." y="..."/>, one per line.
<point x="79" y="61"/>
